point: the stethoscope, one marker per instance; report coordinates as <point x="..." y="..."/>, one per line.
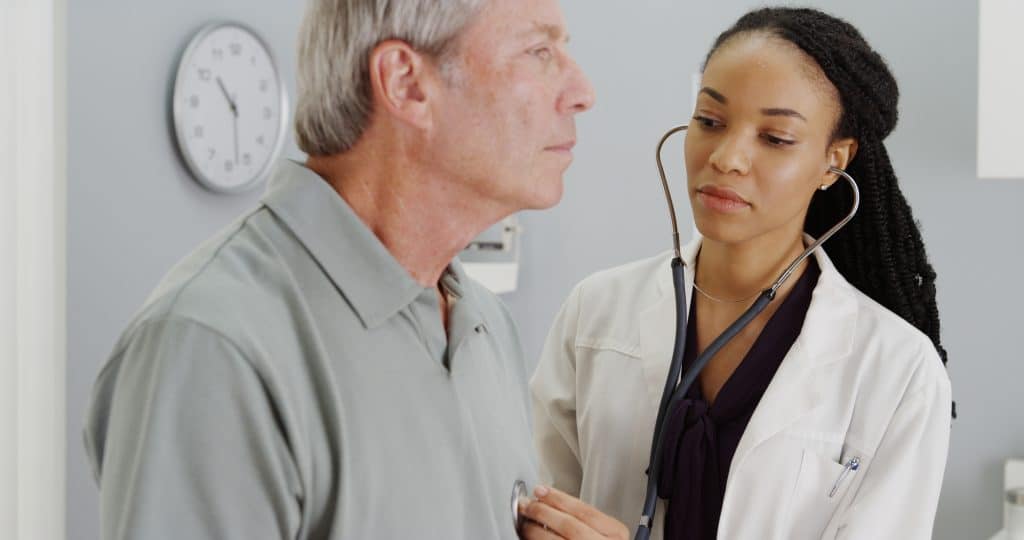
<point x="675" y="389"/>
<point x="674" y="392"/>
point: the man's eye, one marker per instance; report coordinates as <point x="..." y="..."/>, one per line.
<point x="544" y="53"/>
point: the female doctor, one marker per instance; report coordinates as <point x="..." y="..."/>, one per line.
<point x="829" y="415"/>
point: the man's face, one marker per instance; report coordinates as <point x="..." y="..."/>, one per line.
<point x="504" y="122"/>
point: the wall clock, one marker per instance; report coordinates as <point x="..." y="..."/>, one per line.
<point x="230" y="108"/>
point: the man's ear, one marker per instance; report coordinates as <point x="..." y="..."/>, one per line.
<point x="400" y="82"/>
<point x="840" y="153"/>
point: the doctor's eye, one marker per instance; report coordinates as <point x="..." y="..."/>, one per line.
<point x="777" y="141"/>
<point x="706" y="122"/>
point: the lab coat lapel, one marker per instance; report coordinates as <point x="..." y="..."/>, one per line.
<point x="657" y="324"/>
<point x="794" y="392"/>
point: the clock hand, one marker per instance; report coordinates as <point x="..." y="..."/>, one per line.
<point x="231" y="102"/>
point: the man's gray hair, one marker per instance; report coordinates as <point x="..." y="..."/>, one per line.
<point x="334" y="96"/>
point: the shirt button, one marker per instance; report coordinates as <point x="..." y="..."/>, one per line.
<point x="479" y="329"/>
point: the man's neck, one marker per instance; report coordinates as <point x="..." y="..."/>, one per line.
<point x="423" y="221"/>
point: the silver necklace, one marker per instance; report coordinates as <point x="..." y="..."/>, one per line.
<point x="721" y="300"/>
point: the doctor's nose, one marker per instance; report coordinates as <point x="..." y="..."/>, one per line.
<point x="730" y="157"/>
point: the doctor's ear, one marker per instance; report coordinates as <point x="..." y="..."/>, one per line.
<point x="399" y="80"/>
<point x="840" y="153"/>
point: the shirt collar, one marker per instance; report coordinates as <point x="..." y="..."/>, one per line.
<point x="360" y="266"/>
<point x="456" y="280"/>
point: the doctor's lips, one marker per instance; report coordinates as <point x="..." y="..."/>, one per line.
<point x="721" y="199"/>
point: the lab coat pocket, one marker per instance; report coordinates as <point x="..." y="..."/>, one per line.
<point x="820" y="487"/>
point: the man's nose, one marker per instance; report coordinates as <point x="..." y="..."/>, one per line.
<point x="579" y="93"/>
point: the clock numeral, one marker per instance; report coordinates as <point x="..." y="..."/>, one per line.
<point x="218" y="54"/>
<point x="229" y="166"/>
<point x="264" y="85"/>
<point x="198" y="132"/>
<point x="193" y="101"/>
<point x="204" y="74"/>
<point x="260" y="140"/>
<point x="236" y="49"/>
<point x="267" y="113"/>
<point x="212" y="151"/>
<point x="246" y="159"/>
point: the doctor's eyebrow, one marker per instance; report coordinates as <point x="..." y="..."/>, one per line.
<point x="773" y="111"/>
<point x="783" y="112"/>
<point x="714" y="94"/>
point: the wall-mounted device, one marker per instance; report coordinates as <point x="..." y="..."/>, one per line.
<point x="492" y="258"/>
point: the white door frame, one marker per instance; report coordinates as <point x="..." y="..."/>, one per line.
<point x="33" y="221"/>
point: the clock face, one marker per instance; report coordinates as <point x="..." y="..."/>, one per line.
<point x="230" y="108"/>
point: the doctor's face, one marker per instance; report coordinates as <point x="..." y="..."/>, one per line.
<point x="760" y="142"/>
<point x="506" y="123"/>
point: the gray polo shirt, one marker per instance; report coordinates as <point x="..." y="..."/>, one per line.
<point x="289" y="379"/>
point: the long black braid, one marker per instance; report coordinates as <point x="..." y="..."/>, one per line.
<point x="880" y="251"/>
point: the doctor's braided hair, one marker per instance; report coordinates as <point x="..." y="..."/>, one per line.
<point x="880" y="251"/>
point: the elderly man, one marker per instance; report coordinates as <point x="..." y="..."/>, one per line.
<point x="324" y="368"/>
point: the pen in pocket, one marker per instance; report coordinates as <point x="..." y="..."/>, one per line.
<point x="851" y="465"/>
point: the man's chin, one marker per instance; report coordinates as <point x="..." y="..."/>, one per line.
<point x="546" y="198"/>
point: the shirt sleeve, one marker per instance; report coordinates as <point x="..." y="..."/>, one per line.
<point x="906" y="471"/>
<point x="185" y="442"/>
<point x="553" y="396"/>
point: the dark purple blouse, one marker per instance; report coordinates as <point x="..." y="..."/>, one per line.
<point x="700" y="440"/>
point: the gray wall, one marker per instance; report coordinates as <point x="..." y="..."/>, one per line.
<point x="133" y="210"/>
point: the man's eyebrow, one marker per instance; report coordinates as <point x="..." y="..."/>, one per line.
<point x="552" y="31"/>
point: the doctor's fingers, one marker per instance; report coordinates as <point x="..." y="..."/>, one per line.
<point x="535" y="531"/>
<point x="554" y="523"/>
<point x="593" y="518"/>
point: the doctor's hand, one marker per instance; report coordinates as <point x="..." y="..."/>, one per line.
<point x="554" y="515"/>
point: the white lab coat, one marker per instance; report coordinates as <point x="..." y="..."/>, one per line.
<point x="858" y="382"/>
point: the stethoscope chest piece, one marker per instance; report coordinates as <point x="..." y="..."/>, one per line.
<point x="518" y="492"/>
